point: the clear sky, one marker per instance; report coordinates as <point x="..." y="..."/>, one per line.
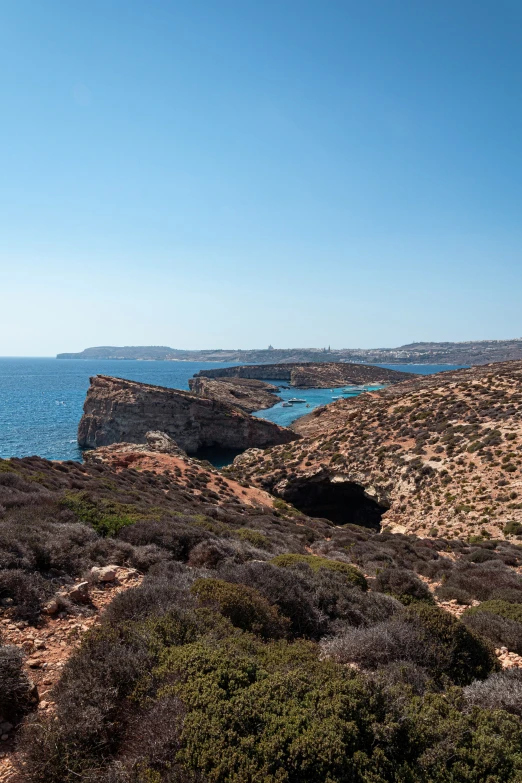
<point x="234" y="173"/>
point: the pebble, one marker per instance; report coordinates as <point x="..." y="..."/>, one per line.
<point x="4" y="737"/>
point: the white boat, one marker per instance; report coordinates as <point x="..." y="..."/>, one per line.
<point x="286" y="405"/>
<point x="296" y="400"/>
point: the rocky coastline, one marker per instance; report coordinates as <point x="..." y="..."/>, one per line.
<point x="308" y="375"/>
<point x="118" y="410"/>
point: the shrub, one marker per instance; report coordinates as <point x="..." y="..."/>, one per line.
<point x="314" y="602"/>
<point x="274" y="712"/>
<point x="501" y="691"/>
<point x="352" y="574"/>
<point x="287" y="716"/>
<point x="16" y="692"/>
<point x="291" y="591"/>
<point x="210" y="553"/>
<point x="26" y="590"/>
<point x="173" y="534"/>
<point x="243" y="606"/>
<point x="424" y="635"/>
<point x="513" y="529"/>
<point x="502" y="608"/>
<point x="499" y="630"/>
<point x="403" y="585"/>
<point x="253" y="537"/>
<point x="480" y="581"/>
<point x="167" y="589"/>
<point x="107" y="517"/>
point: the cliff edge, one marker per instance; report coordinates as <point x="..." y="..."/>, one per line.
<point x="118" y="410"/>
<point x="311" y="375"/>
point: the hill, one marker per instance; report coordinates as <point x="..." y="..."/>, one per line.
<point x="155" y="627"/>
<point x="437" y="454"/>
<point x="464" y="353"/>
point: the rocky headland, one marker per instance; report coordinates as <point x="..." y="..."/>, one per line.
<point x="246" y="393"/>
<point x="118" y="410"/>
<point x="319" y="375"/>
<point x="435" y="455"/>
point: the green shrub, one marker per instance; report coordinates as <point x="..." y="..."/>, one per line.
<point x="352" y="574"/>
<point x="107" y="517"/>
<point x="464" y="655"/>
<point x="253" y="537"/>
<point x="502" y="608"/>
<point x="243" y="606"/>
<point x="513" y="529"/>
<point x="275" y="713"/>
<point x="403" y="585"/>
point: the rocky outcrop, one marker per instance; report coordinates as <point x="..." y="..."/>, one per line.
<point x="118" y="410"/>
<point x="309" y="375"/>
<point x="438" y="455"/>
<point x="162" y="456"/>
<point x="248" y="394"/>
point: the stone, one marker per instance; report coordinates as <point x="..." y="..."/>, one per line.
<point x="5" y="727"/>
<point x="79" y="593"/>
<point x="104" y="573"/>
<point x="51" y="607"/>
<point x="4" y="737"/>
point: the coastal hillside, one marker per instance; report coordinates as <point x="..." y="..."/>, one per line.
<point x="436" y="455"/>
<point x="473" y="352"/>
<point x="157" y="627"/>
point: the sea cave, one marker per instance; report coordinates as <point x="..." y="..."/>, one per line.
<point x="341" y="502"/>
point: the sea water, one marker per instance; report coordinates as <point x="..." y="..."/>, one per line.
<point x="41" y="400"/>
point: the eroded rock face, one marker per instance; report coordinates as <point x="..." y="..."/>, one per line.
<point x="248" y="394"/>
<point x="118" y="410"/>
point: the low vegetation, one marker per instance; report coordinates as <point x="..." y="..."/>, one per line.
<point x="259" y="646"/>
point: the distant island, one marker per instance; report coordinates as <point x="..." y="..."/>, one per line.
<point x="466" y="353"/>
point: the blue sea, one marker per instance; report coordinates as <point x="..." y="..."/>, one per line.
<point x="41" y="400"/>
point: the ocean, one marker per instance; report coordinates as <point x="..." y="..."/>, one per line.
<point x="41" y="399"/>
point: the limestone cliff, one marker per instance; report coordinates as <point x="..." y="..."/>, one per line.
<point x="308" y="375"/>
<point x="118" y="410"/>
<point x="248" y="394"/>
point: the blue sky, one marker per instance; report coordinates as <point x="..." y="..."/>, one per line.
<point x="230" y="173"/>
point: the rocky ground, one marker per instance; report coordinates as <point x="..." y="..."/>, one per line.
<point x="48" y="645"/>
<point x="161" y="456"/>
<point x="442" y="454"/>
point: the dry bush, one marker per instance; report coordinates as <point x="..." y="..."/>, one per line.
<point x="501" y="691"/>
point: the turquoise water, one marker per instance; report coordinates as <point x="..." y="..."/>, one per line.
<point x="41" y="400"/>
<point x="314" y="399"/>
